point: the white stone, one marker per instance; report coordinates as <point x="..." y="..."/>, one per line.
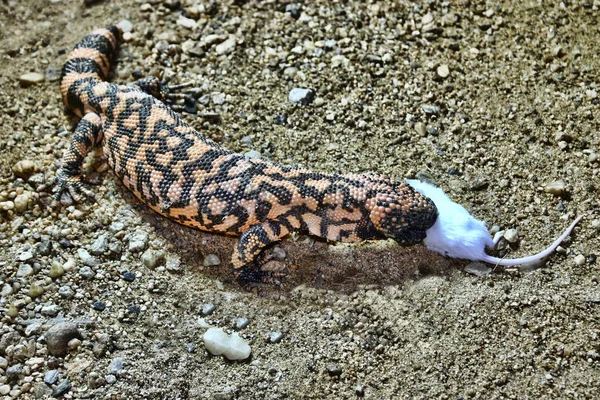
<point x="232" y="347"/>
<point x="187" y="23"/>
<point x="511" y="236"/>
<point x="443" y="71"/>
<point x="579" y="259"/>
<point x="227" y="46"/>
<point x="125" y="25"/>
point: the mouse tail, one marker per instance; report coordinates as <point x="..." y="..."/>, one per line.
<point x="543" y="254"/>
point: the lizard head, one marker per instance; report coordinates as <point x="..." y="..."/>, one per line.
<point x="402" y="214"/>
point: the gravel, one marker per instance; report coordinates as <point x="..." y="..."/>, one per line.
<point x="505" y="119"/>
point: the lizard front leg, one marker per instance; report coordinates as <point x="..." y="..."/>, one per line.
<point x="87" y="135"/>
<point x="248" y="259"/>
<point x="161" y="91"/>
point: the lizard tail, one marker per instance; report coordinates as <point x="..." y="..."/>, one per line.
<point x="90" y="60"/>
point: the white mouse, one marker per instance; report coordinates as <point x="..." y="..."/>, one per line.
<point x="457" y="234"/>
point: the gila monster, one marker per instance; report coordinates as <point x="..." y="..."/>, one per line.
<point x="192" y="180"/>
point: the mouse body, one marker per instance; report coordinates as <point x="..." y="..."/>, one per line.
<point x="457" y="234"/>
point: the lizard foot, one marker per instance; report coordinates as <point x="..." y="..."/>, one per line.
<point x="253" y="277"/>
<point x="72" y="186"/>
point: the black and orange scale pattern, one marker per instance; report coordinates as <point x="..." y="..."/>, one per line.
<point x="192" y="180"/>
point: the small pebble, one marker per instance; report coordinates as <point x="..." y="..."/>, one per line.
<point x="208" y="309"/>
<point x="511" y="235"/>
<point x="66" y="292"/>
<point x="430" y="109"/>
<point x="22" y="201"/>
<point x="34" y="328"/>
<point x="62" y="388"/>
<point x="4" y="390"/>
<point x="24" y="270"/>
<point x="56" y="270"/>
<point x="138" y="242"/>
<point x="99" y="305"/>
<point x="301" y="96"/>
<point x="50" y="310"/>
<point x="218" y="98"/>
<point x="252" y="154"/>
<point x="86" y="272"/>
<point x="35" y="291"/>
<point x="211" y="260"/>
<point x="51" y="377"/>
<point x="421" y="129"/>
<point x="116" y="226"/>
<point x="226" y="47"/>
<point x="41" y="390"/>
<point x="87" y="258"/>
<point x="278" y="253"/>
<point x="191" y="347"/>
<point x="556" y="188"/>
<point x="294" y="9"/>
<point x="24" y="169"/>
<point x="443" y="71"/>
<point x="100" y="245"/>
<point x="241" y="323"/>
<point x="579" y="260"/>
<point x="173" y="264"/>
<point x="116" y="365"/>
<point x="186" y="22"/>
<point x="7" y="205"/>
<point x="74" y="344"/>
<point x="13" y="373"/>
<point x="232" y="347"/>
<point x="26" y="255"/>
<point x="31" y="78"/>
<point x="125" y="25"/>
<point x="152" y="259"/>
<point x="359" y="390"/>
<point x="111" y="379"/>
<point x="334" y="370"/>
<point x="128" y="276"/>
<point x="275" y="337"/>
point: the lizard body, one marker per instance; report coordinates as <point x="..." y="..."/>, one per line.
<point x="194" y="181"/>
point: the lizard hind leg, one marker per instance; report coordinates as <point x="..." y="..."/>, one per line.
<point x="87" y="135"/>
<point x="248" y="257"/>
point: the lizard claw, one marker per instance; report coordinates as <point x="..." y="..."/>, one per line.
<point x="72" y="186"/>
<point x="252" y="278"/>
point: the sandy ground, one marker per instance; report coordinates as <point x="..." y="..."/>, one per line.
<point x="516" y="89"/>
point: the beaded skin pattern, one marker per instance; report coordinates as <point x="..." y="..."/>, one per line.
<point x="192" y="180"/>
